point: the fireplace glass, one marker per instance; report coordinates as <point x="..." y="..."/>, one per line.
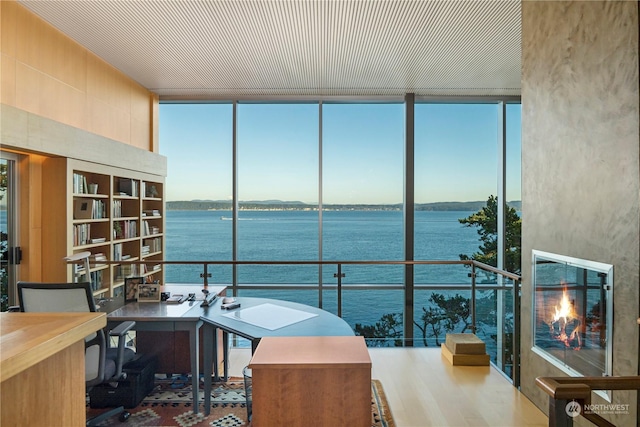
<point x="573" y="302"/>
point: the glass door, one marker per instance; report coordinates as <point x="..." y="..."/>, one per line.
<point x="9" y="248"/>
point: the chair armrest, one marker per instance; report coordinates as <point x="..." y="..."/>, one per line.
<point x="122" y="329"/>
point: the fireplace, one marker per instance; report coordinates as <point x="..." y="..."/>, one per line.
<point x="573" y="313"/>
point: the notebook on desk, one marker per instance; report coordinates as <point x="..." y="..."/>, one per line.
<point x="176" y="299"/>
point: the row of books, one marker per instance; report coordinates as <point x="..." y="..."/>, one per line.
<point x="81" y="234"/>
<point x="117" y="252"/>
<point x="96" y="280"/>
<point x="94" y="262"/>
<point x="80" y="183"/>
<point x="151" y="212"/>
<point x="128" y="187"/>
<point x="89" y="209"/>
<point x="126" y="270"/>
<point x="117" y="209"/>
<point x="125" y="229"/>
<point x="96" y="259"/>
<point x="149" y="230"/>
<point x="147" y="269"/>
<point x="151" y="246"/>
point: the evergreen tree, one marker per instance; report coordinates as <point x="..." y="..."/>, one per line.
<point x="486" y="220"/>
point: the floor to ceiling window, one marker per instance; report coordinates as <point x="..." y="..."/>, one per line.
<point x="278" y="195"/>
<point x="362" y="185"/>
<point x="197" y="140"/>
<point x="456" y="161"/>
<point x="326" y="181"/>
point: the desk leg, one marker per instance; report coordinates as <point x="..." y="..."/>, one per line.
<point x="214" y="350"/>
<point x="209" y="341"/>
<point x="225" y="354"/>
<point x="254" y="345"/>
<point x="194" y="350"/>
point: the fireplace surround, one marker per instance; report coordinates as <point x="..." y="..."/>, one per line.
<point x="573" y="314"/>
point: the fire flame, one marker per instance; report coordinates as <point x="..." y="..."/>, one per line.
<point x="565" y="311"/>
<point x="564" y="315"/>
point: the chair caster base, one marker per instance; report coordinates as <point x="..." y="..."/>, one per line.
<point x="124" y="416"/>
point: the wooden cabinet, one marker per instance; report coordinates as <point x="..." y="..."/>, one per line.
<point x="320" y="381"/>
<point x="116" y="214"/>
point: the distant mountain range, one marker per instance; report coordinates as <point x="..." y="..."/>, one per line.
<point x="201" y="205"/>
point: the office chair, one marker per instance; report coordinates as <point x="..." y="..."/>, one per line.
<point x="102" y="364"/>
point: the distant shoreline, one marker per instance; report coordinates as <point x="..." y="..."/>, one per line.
<point x="210" y="205"/>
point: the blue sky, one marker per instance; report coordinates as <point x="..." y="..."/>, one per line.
<point x="362" y="157"/>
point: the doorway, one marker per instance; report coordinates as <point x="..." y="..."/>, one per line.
<point x="10" y="253"/>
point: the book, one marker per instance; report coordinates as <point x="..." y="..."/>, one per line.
<point x="128" y="187"/>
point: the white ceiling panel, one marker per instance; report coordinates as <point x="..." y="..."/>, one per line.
<point x="315" y="48"/>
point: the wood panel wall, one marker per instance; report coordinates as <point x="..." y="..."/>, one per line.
<point x="46" y="73"/>
<point x="59" y="99"/>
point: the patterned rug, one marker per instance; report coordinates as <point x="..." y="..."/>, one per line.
<point x="170" y="405"/>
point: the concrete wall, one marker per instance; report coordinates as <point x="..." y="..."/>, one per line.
<point x="580" y="162"/>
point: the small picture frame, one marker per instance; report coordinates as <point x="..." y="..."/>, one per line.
<point x="131" y="288"/>
<point x="148" y="292"/>
<point x="82" y="209"/>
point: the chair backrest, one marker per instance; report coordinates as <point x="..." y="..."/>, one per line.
<point x="68" y="297"/>
<point x="55" y="297"/>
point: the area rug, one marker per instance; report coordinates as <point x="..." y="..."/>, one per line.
<point x="170" y="405"/>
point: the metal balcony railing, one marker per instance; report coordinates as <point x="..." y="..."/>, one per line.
<point x="498" y="290"/>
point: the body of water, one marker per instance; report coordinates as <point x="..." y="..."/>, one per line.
<point x="346" y="235"/>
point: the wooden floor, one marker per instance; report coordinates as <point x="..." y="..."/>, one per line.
<point x="424" y="390"/>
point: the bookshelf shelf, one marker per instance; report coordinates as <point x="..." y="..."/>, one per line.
<point x="89" y="246"/>
<point x="82" y="221"/>
<point x="130" y="239"/>
<point x="91" y="201"/>
<point x="151" y="255"/>
<point x="90" y="196"/>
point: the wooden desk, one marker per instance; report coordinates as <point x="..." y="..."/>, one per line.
<point x="42" y="367"/>
<point x="319" y="381"/>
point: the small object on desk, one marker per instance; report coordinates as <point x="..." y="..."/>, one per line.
<point x="176" y="299"/>
<point x="208" y="299"/>
<point x="230" y="306"/>
<point x="228" y="300"/>
<point x="192" y="297"/>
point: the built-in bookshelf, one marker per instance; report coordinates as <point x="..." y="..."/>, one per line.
<point x="115" y="214"/>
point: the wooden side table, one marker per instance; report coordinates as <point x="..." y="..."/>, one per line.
<point x="319" y="381"/>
